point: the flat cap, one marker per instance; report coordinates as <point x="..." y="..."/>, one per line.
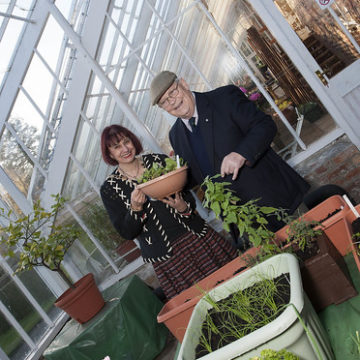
<point x="160" y="84"/>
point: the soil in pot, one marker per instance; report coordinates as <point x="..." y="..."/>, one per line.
<point x="242" y="313"/>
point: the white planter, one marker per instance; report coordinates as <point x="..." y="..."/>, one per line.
<point x="285" y="331"/>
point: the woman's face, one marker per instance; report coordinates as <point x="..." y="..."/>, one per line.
<point x="123" y="151"/>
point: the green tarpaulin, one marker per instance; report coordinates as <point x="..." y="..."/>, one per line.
<point x="125" y="329"/>
<point x="341" y="321"/>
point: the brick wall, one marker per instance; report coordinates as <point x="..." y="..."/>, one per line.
<point x="338" y="163"/>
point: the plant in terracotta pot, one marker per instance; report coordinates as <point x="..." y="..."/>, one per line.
<point x="323" y="269"/>
<point x="39" y="241"/>
<point x="161" y="181"/>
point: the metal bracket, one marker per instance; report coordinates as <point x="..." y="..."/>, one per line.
<point x="322" y="77"/>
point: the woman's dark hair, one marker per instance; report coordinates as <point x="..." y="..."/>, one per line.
<point x="111" y="135"/>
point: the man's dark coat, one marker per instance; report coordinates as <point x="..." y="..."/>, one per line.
<point x="229" y="122"/>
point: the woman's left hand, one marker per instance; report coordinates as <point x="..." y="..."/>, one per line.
<point x="177" y="202"/>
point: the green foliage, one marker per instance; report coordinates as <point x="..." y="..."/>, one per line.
<point x="269" y="354"/>
<point x="158" y="169"/>
<point x="250" y="218"/>
<point x="356" y="340"/>
<point x="303" y="232"/>
<point x="356" y="239"/>
<point x="42" y="242"/>
<point x="242" y="312"/>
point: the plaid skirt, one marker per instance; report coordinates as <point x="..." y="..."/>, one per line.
<point x="193" y="259"/>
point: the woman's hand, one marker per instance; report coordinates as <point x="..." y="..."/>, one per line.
<point x="137" y="200"/>
<point x="177" y="202"/>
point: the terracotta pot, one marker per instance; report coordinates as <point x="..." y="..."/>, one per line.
<point x="165" y="185"/>
<point x="128" y="250"/>
<point x="176" y="312"/>
<point x="82" y="302"/>
<point x="335" y="227"/>
<point x="326" y="279"/>
<point x="350" y="217"/>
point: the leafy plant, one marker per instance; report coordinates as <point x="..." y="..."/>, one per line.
<point x="40" y="241"/>
<point x="269" y="354"/>
<point x="356" y="239"/>
<point x="303" y="232"/>
<point x="250" y="218"/>
<point x="242" y="312"/>
<point x="158" y="169"/>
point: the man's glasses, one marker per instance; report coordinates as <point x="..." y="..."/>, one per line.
<point x="171" y="95"/>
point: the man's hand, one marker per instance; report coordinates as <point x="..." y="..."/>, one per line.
<point x="231" y="164"/>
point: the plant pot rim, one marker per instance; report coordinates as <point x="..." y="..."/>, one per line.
<point x="71" y="292"/>
<point x="162" y="177"/>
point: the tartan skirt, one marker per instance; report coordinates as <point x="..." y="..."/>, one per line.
<point x="193" y="259"/>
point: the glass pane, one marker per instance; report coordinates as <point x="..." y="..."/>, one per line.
<point x="8" y="201"/>
<point x="25" y="118"/>
<point x="321" y="34"/>
<point x="38" y="289"/>
<point x="8" y="44"/>
<point x="95" y="217"/>
<point x="38" y="82"/>
<point x="277" y="74"/>
<point x="15" y="162"/>
<point x="21" y="308"/>
<point x="11" y="342"/>
<point x="83" y="252"/>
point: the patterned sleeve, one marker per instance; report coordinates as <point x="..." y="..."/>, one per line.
<point x="128" y="223"/>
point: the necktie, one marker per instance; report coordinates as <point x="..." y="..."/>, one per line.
<point x="192" y="124"/>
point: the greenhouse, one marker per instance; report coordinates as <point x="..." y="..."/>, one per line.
<point x="71" y="68"/>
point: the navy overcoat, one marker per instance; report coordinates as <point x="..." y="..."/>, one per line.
<point x="229" y="122"/>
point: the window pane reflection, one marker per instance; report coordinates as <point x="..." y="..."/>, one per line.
<point x="10" y="341"/>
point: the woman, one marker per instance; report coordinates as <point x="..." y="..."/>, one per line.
<point x="182" y="248"/>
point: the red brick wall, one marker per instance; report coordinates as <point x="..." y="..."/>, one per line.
<point x="338" y="163"/>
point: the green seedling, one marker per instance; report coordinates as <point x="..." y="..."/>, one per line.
<point x="158" y="169"/>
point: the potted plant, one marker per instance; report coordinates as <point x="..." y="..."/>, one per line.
<point x="291" y="324"/>
<point x="331" y="213"/>
<point x="161" y="181"/>
<point x="42" y="242"/>
<point x="325" y="276"/>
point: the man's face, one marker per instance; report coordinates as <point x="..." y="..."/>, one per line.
<point x="178" y="100"/>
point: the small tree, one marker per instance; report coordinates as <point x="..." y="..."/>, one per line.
<point x="41" y="241"/>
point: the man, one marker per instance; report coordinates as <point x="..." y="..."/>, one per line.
<point x="221" y="131"/>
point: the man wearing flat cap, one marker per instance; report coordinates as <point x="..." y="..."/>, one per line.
<point x="221" y="131"/>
